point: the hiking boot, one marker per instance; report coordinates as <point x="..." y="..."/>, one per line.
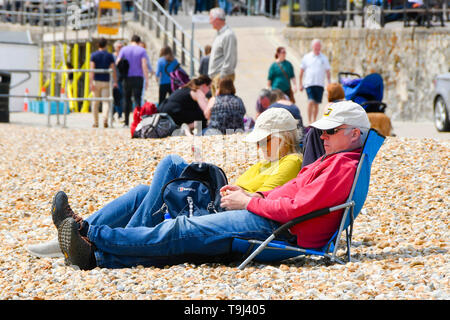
<point x="77" y="250"/>
<point x="61" y="209"/>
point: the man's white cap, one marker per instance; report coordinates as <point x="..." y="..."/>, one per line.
<point x="343" y="112"/>
<point x="271" y="121"/>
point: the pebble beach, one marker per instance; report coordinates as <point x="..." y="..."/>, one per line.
<point x="400" y="240"/>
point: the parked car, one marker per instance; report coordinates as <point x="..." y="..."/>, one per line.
<point x="441" y="102"/>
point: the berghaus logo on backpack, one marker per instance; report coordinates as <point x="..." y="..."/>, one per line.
<point x="182" y="189"/>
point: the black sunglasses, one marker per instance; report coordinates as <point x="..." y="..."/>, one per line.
<point x="330" y="132"/>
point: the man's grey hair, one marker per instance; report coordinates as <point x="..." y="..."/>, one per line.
<point x="117" y="44"/>
<point x="218" y="13"/>
<point x="364" y="133"/>
<point x="315" y="41"/>
<point x="265" y="93"/>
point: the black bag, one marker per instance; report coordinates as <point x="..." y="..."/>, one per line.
<point x="123" y="67"/>
<point x="196" y="192"/>
<point x="158" y="125"/>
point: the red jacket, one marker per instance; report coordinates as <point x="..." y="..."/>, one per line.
<point x="319" y="185"/>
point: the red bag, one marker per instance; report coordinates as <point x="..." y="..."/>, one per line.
<point x="146" y="110"/>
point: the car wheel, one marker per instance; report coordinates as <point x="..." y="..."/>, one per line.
<point x="441" y="120"/>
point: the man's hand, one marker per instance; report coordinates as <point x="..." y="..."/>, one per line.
<point x="225" y="190"/>
<point x="235" y="200"/>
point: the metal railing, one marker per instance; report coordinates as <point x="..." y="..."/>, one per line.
<point x="62" y="97"/>
<point x="333" y="12"/>
<point x="151" y="14"/>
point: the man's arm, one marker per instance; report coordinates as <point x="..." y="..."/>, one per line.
<point x="91" y="76"/>
<point x="145" y="70"/>
<point x="300" y="79"/>
<point x="114" y="74"/>
<point x="230" y="56"/>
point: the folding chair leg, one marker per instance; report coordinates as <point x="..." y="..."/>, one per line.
<point x="256" y="252"/>
<point x="348" y="245"/>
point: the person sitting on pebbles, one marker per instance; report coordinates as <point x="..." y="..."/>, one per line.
<point x="255" y="215"/>
<point x="277" y="138"/>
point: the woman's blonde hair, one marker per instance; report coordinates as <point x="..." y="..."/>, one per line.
<point x="290" y="141"/>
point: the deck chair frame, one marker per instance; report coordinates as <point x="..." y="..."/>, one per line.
<point x="349" y="210"/>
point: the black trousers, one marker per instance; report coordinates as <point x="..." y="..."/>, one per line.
<point x="132" y="87"/>
<point x="164" y="90"/>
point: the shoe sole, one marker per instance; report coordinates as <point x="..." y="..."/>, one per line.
<point x="55" y="222"/>
<point x="73" y="247"/>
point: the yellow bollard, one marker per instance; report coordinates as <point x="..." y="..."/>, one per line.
<point x="41" y="67"/>
<point x="69" y="95"/>
<point x="64" y="75"/>
<point x="53" y="74"/>
<point x="75" y="75"/>
<point x="87" y="65"/>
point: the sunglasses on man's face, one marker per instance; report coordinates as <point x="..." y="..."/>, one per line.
<point x="330" y="132"/>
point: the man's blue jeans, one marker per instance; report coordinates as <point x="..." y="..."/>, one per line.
<point x="226" y="6"/>
<point x="199" y="238"/>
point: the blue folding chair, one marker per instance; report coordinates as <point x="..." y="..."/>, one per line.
<point x="272" y="250"/>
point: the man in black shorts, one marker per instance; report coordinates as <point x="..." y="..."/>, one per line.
<point x="314" y="67"/>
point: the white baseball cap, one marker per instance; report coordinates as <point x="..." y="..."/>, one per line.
<point x="271" y="121"/>
<point x="343" y="112"/>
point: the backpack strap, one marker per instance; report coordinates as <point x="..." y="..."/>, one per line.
<point x="167" y="65"/>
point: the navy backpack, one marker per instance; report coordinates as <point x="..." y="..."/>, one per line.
<point x="196" y="192"/>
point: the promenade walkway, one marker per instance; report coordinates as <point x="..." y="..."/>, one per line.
<point x="258" y="38"/>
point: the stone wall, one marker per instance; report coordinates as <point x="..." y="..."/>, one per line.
<point x="407" y="59"/>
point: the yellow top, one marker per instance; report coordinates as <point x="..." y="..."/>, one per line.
<point x="266" y="175"/>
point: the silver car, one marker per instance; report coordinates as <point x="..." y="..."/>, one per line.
<point x="441" y="102"/>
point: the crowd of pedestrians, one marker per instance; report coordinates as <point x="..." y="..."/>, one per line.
<point x="211" y="98"/>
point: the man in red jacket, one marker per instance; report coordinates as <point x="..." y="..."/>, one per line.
<point x="324" y="183"/>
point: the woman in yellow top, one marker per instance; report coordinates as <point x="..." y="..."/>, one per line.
<point x="277" y="137"/>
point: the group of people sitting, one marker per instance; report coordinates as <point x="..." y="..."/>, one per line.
<point x="131" y="231"/>
<point x="225" y="111"/>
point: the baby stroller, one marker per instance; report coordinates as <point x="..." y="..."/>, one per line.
<point x="367" y="91"/>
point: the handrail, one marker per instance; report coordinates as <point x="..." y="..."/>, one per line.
<point x="344" y="14"/>
<point x="146" y="8"/>
<point x="46" y="97"/>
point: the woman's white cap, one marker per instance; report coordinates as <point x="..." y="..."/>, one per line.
<point x="271" y="121"/>
<point x="343" y="112"/>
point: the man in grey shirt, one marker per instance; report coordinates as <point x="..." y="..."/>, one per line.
<point x="223" y="59"/>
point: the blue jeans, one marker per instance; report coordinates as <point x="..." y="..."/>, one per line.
<point x="136" y="208"/>
<point x="173" y="241"/>
<point x="173" y="6"/>
<point x="226" y="6"/>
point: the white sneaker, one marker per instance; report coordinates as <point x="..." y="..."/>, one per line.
<point x="49" y="249"/>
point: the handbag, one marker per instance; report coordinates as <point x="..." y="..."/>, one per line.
<point x="291" y="93"/>
<point x="158" y="125"/>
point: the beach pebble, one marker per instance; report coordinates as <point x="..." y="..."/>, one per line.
<point x="400" y="238"/>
